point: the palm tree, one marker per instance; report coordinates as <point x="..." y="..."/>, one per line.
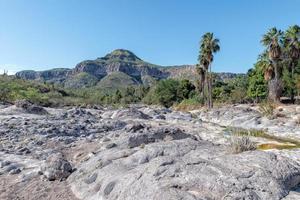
<point x="273" y="40"/>
<point x="292" y="46"/>
<point x="208" y="47"/>
<point x="201" y="72"/>
<point x="266" y="66"/>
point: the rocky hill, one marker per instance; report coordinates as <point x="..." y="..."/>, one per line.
<point x="104" y="70"/>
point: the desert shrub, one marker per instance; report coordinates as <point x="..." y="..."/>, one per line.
<point x="193" y="103"/>
<point x="267" y="109"/>
<point x="129" y="96"/>
<point x="4" y="94"/>
<point x="231" y="91"/>
<point x="238" y="95"/>
<point x="151" y="98"/>
<point x="117" y="96"/>
<point x="133" y="94"/>
<point x="13" y="89"/>
<point x="221" y="91"/>
<point x="168" y="92"/>
<point x="237" y="131"/>
<point x="257" y="85"/>
<point x="185" y="89"/>
<point x="240" y="144"/>
<point x="297" y="121"/>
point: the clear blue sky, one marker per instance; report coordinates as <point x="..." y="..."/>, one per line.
<point x="43" y="34"/>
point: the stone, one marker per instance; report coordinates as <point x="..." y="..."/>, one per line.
<point x="30" y="108"/>
<point x="15" y="171"/>
<point x="130" y="113"/>
<point x="109" y="188"/>
<point x="163" y="133"/>
<point x="56" y="168"/>
<point x="134" y="127"/>
<point x="91" y="179"/>
<point x="138" y="157"/>
<point x="111" y="145"/>
<point x="187" y="169"/>
<point x="4" y="163"/>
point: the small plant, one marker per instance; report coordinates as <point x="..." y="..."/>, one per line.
<point x="239" y="144"/>
<point x="281" y="142"/>
<point x="297" y="121"/>
<point x="189" y="104"/>
<point x="267" y="109"/>
<point x="236" y="131"/>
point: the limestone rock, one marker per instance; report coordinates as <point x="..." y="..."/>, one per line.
<point x="184" y="169"/>
<point x="30" y="108"/>
<point x="56" y="168"/>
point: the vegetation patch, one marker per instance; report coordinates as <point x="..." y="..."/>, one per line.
<point x="280" y="142"/>
<point x="116" y="81"/>
<point x="170" y="92"/>
<point x="189" y="104"/>
<point x="267" y="109"/>
<point x="239" y="144"/>
<point x="81" y="80"/>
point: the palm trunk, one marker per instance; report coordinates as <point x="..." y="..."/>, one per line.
<point x="207" y="89"/>
<point x="274" y="86"/>
<point x="292" y="89"/>
<point x="210" y="88"/>
<point x="203" y="87"/>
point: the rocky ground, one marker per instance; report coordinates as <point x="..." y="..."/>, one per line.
<point x="143" y="153"/>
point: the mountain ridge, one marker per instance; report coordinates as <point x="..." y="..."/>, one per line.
<point x="90" y="72"/>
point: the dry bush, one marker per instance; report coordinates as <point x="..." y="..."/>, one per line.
<point x="298" y="121"/>
<point x="239" y="144"/>
<point x="267" y="109"/>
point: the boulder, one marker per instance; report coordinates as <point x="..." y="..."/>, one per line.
<point x="56" y="168"/>
<point x="131" y="113"/>
<point x="184" y="169"/>
<point x="30" y="107"/>
<point x="156" y="134"/>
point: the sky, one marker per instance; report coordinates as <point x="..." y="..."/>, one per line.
<point x="44" y="34"/>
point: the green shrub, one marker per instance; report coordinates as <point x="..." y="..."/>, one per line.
<point x="257" y="88"/>
<point x="168" y="92"/>
<point x="190" y="104"/>
<point x="185" y="89"/>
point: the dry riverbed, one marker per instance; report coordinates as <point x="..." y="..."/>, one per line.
<point x="146" y="153"/>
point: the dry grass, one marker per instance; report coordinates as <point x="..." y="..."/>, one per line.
<point x="298" y="121"/>
<point x="246" y="132"/>
<point x="239" y="144"/>
<point x="186" y="106"/>
<point x="280" y="142"/>
<point x="267" y="109"/>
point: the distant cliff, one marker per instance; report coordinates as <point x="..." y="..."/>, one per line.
<point x="118" y="65"/>
<point x="57" y="75"/>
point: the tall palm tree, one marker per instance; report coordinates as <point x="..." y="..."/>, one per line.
<point x="273" y="40"/>
<point x="201" y="72"/>
<point x="292" y="46"/>
<point x="208" y="47"/>
<point x="266" y="66"/>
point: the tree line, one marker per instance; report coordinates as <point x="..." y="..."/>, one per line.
<point x="276" y="72"/>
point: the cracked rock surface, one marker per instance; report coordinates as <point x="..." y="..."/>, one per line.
<point x="135" y="153"/>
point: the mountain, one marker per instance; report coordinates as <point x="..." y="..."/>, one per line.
<point x="57" y="75"/>
<point x="117" y="69"/>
